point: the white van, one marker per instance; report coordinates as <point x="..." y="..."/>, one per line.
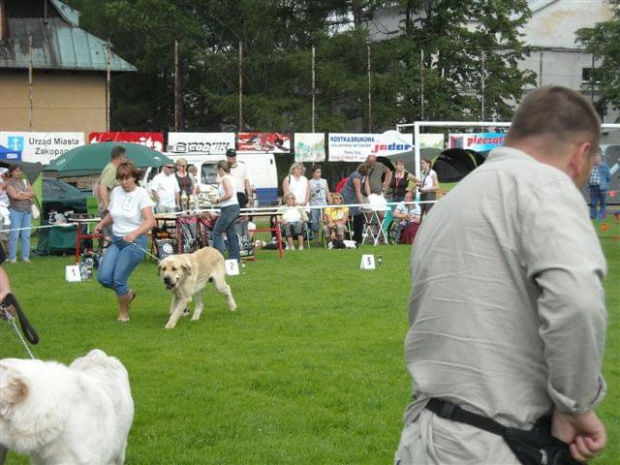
<point x="261" y="167"/>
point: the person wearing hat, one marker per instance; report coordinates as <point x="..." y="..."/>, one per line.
<point x="241" y="178"/>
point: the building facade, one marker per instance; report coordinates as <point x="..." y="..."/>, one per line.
<point x="53" y="75"/>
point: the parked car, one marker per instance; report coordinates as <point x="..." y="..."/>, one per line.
<point x="61" y="197"/>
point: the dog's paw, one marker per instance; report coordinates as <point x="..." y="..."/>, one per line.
<point x="170" y="325"/>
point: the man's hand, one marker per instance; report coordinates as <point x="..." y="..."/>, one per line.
<point x="585" y="434"/>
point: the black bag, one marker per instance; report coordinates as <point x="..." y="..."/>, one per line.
<point x="532" y="447"/>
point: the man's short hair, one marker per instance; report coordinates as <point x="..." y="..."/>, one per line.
<point x="117" y="152"/>
<point x="555" y="111"/>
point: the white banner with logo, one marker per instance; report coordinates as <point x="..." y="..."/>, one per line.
<point x="41" y="147"/>
<point x="350" y="147"/>
<point x="309" y="146"/>
<point x="393" y="142"/>
<point x="213" y="143"/>
<point x="480" y="141"/>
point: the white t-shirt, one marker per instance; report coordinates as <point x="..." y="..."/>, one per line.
<point x="166" y="188"/>
<point x="298" y="188"/>
<point x="231" y="201"/>
<point x="239" y="174"/>
<point x="126" y="209"/>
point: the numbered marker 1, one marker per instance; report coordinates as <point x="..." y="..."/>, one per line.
<point x="368" y="262"/>
<point x="232" y="267"/>
<point x="72" y="273"/>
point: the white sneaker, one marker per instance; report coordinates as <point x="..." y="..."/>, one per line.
<point x="288" y="247"/>
<point x="301" y="247"/>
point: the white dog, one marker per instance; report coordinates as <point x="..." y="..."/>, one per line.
<point x="56" y="414"/>
<point x="186" y="275"/>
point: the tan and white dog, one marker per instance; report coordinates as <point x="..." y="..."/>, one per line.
<point x="58" y="414"/>
<point x="186" y="275"/>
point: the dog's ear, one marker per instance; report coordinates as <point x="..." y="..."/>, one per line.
<point x="13" y="387"/>
<point x="187" y="267"/>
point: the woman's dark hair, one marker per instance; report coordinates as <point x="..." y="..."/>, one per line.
<point x="127" y="170"/>
<point x="13" y="168"/>
<point x="315" y="168"/>
<point x="427" y="160"/>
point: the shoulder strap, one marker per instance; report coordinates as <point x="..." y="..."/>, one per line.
<point x="453" y="412"/>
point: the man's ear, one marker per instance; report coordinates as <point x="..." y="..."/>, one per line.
<point x="580" y="163"/>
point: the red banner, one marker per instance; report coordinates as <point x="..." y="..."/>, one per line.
<point x="154" y="140"/>
<point x="263" y="142"/>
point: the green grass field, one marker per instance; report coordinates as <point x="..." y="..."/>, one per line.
<point x="309" y="370"/>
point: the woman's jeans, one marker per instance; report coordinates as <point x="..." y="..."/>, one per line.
<point x="227" y="222"/>
<point x="118" y="261"/>
<point x="21" y="222"/>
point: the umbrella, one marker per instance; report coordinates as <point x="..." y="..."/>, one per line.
<point x="31" y="170"/>
<point x="92" y="158"/>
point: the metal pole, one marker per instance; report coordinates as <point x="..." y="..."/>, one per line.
<point x="369" y="91"/>
<point x="108" y="89"/>
<point x="482" y="88"/>
<point x="30" y="90"/>
<point x="240" y="86"/>
<point x="421" y="84"/>
<point x="176" y="86"/>
<point x="313" y="86"/>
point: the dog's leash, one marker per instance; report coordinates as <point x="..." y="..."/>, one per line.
<point x="10" y="301"/>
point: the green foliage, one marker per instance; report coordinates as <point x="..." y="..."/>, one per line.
<point x="276" y="40"/>
<point x="602" y="42"/>
<point x="309" y="370"/>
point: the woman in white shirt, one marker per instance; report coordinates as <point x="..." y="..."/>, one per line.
<point x="428" y="185"/>
<point x="229" y="211"/>
<point x="131" y="216"/>
<point x="297" y="184"/>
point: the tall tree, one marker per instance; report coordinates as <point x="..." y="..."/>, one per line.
<point x="457" y="58"/>
<point x="602" y="42"/>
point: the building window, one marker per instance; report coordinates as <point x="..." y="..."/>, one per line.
<point x="588" y="75"/>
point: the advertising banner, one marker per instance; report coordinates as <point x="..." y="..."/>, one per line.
<point x="309" y="147"/>
<point x="480" y="142"/>
<point x="432" y="141"/>
<point x="153" y="140"/>
<point x="41" y="147"/>
<point x="263" y="142"/>
<point x="350" y="147"/>
<point x="392" y="142"/>
<point x="212" y="143"/>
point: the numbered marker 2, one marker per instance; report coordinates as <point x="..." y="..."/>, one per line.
<point x="232" y="267"/>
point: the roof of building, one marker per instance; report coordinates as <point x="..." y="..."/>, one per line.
<point x="57" y="41"/>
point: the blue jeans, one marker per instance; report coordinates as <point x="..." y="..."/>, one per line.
<point x="226" y="222"/>
<point x="20" y="227"/>
<point x="597" y="196"/>
<point x="118" y="261"/>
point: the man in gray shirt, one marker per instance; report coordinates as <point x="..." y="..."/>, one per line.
<point x="507" y="313"/>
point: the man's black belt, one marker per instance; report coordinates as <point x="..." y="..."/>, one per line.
<point x="532" y="447"/>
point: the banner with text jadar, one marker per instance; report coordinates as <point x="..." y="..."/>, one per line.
<point x="153" y="140"/>
<point x="350" y="147"/>
<point x="41" y="147"/>
<point x="393" y="142"/>
<point x="211" y="143"/>
<point x="309" y="146"/>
